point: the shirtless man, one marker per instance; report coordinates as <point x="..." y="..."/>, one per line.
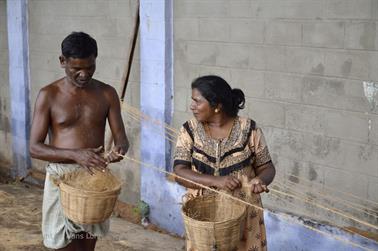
<point x="73" y="111"/>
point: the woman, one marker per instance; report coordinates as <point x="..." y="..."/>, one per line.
<point x="219" y="149"/>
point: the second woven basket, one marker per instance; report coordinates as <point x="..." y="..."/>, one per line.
<point x="213" y="222"/>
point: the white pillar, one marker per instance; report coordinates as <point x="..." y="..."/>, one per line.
<point x="17" y="18"/>
<point x="156" y="65"/>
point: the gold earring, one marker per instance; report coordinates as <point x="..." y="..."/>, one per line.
<point x="216" y="110"/>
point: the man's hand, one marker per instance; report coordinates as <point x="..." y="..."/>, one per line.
<point x="228" y="183"/>
<point x="90" y="158"/>
<point x="115" y="155"/>
<point x="258" y="186"/>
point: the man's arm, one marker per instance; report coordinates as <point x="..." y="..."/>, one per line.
<point x="38" y="149"/>
<point x="121" y="143"/>
<point x="39" y="129"/>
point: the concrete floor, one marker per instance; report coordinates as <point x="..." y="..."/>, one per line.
<point x="20" y="226"/>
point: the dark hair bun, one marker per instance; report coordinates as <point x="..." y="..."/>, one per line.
<point x="238" y="98"/>
<point x="217" y="91"/>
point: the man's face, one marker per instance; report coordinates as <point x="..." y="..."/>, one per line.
<point x="79" y="71"/>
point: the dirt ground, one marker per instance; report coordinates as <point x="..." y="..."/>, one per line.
<point x="20" y="226"/>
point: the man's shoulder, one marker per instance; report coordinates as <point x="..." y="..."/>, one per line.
<point x="107" y="90"/>
<point x="51" y="88"/>
<point x="101" y="85"/>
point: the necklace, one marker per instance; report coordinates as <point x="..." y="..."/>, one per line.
<point x="207" y="128"/>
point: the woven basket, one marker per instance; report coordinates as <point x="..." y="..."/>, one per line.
<point x="87" y="207"/>
<point x="213" y="222"/>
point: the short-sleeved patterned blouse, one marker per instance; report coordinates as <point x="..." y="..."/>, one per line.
<point x="241" y="154"/>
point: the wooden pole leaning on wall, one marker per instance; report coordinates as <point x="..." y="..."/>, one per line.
<point x="126" y="76"/>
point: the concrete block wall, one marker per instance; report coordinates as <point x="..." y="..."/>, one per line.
<point x="111" y="24"/>
<point x="301" y="65"/>
<point x="5" y="127"/>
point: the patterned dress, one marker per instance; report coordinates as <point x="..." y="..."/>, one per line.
<point x="241" y="154"/>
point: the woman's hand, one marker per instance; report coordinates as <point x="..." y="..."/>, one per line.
<point x="258" y="186"/>
<point x="228" y="183"/>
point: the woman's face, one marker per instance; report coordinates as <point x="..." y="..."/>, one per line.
<point x="200" y="107"/>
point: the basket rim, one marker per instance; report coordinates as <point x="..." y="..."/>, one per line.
<point x="64" y="186"/>
<point x="210" y="222"/>
<point x="200" y="221"/>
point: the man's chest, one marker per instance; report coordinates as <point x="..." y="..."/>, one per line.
<point x="66" y="112"/>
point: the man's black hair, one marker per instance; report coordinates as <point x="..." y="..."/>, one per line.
<point x="79" y="45"/>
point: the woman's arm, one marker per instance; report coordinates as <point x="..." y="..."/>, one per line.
<point x="264" y="176"/>
<point x="221" y="182"/>
<point x="266" y="173"/>
<point x="264" y="170"/>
